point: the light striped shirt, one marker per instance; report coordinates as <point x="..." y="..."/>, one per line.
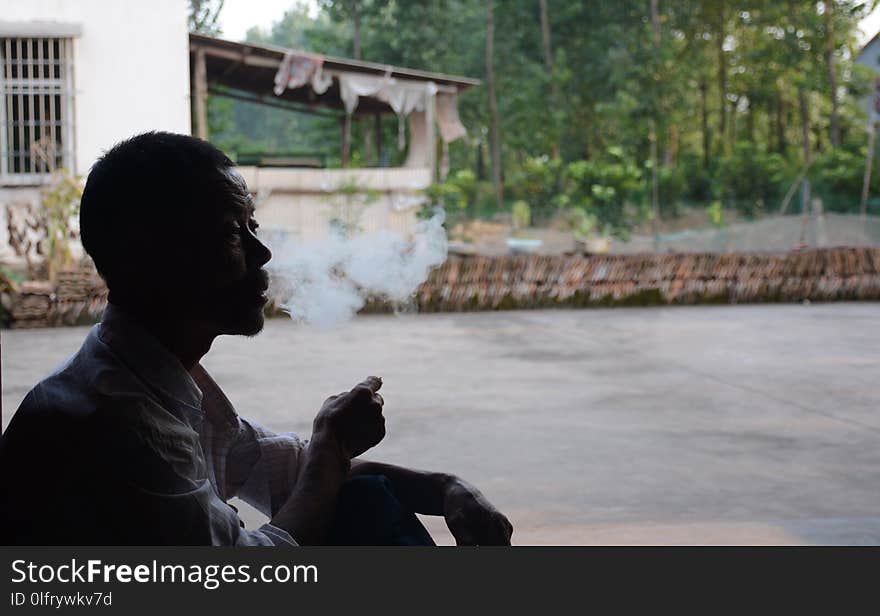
<point x="122" y="445"/>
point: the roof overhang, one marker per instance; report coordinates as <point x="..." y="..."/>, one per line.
<point x="247" y="70"/>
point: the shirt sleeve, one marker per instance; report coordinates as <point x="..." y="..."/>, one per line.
<point x="262" y="467"/>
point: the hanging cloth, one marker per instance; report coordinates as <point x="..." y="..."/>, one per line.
<point x="353" y="85"/>
<point x="298" y="69"/>
<point x="448" y="121"/>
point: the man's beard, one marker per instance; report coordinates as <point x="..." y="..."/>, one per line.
<point x="237" y="308"/>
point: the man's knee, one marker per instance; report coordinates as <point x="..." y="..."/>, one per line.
<point x="369" y="513"/>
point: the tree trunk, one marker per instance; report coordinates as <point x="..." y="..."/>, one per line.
<point x="655" y="20"/>
<point x="781" y="145"/>
<point x="545" y="36"/>
<point x="869" y="163"/>
<point x="494" y="131"/>
<point x="365" y="130"/>
<point x="808" y="154"/>
<point x="732" y="123"/>
<point x="832" y="72"/>
<point x="548" y="65"/>
<point x="655" y="178"/>
<point x="671" y="145"/>
<point x="354" y="6"/>
<point x="750" y="121"/>
<point x="704" y="120"/>
<point x="722" y="78"/>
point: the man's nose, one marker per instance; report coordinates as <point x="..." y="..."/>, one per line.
<point x="260" y="253"/>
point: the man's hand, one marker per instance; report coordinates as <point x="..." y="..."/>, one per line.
<point x="354" y="418"/>
<point x="471" y="518"/>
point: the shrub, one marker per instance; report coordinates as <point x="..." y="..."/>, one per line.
<point x="751" y="178"/>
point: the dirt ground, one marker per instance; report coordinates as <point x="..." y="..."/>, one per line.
<point x="731" y="424"/>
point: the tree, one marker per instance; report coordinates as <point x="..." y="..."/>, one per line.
<point x="727" y="87"/>
<point x="494" y="131"/>
<point x="203" y="16"/>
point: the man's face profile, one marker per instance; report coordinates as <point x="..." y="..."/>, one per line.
<point x="170" y="225"/>
<point x="225" y="260"/>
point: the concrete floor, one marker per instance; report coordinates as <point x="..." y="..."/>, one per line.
<point x="727" y="424"/>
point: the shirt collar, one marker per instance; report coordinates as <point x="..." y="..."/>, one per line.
<point x="147" y="357"/>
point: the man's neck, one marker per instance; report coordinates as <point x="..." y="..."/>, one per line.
<point x="186" y="339"/>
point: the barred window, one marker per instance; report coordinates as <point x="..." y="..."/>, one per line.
<point x="36" y="108"/>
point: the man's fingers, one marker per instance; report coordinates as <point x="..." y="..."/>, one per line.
<point x="373" y="383"/>
<point x="366" y="389"/>
<point x="332" y="398"/>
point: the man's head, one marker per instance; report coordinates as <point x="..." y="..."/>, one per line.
<point x="169" y="224"/>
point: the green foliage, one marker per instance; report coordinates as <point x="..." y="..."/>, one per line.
<point x="522" y="215"/>
<point x="536" y="182"/>
<point x="837" y="177"/>
<point x="720" y="82"/>
<point x="716" y="214"/>
<point x="455" y="194"/>
<point x="347" y="204"/>
<point x="604" y="188"/>
<point x="60" y="202"/>
<point x="753" y="179"/>
<point x="203" y="15"/>
<point x="581" y="223"/>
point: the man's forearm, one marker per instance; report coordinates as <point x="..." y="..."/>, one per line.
<point x="420" y="491"/>
<point x="311" y="505"/>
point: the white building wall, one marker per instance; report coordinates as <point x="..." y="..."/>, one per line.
<point x="869" y="57"/>
<point x="131" y="67"/>
<point x="302" y="202"/>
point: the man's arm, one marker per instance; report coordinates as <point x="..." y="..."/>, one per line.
<point x="420" y="491"/>
<point x="471" y="518"/>
<point x="323" y="469"/>
<point x="346" y="426"/>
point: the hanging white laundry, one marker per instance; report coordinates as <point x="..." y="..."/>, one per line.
<point x="352" y="86"/>
<point x="321" y="81"/>
<point x="448" y="121"/>
<point x="299" y="68"/>
<point x="418" y="143"/>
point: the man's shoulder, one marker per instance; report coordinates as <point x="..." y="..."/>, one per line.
<point x="89" y="380"/>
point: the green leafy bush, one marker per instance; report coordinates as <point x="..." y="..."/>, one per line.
<point x="604" y="188"/>
<point x="752" y="179"/>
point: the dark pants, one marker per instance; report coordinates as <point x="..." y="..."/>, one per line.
<point x="368" y="513"/>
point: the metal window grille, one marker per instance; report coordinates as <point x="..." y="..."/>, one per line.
<point x="36" y="108"/>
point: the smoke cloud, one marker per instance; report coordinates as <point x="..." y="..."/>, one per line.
<point x="324" y="282"/>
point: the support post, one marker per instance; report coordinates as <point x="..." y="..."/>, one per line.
<point x="431" y="131"/>
<point x="201" y="95"/>
<point x="346" y="139"/>
<point x="869" y="163"/>
<point x="379" y="139"/>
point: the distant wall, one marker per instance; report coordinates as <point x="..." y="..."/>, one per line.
<point x="304" y="202"/>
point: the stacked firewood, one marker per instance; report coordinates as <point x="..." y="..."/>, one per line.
<point x="533" y="281"/>
<point x="78" y="296"/>
<point x="491" y="283"/>
<point x="32" y="305"/>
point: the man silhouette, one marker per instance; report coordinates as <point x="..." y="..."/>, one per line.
<point x="132" y="442"/>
